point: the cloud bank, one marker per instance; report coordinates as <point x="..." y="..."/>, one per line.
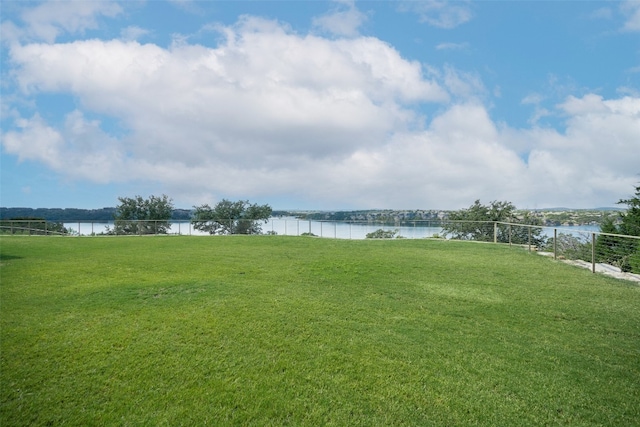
<point x="330" y="122"/>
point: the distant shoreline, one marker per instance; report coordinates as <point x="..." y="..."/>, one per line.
<point x="554" y="217"/>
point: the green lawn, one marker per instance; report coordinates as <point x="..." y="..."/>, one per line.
<point x="269" y="330"/>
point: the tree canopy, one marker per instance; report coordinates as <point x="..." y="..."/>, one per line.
<point x="228" y="217"/>
<point x="476" y="223"/>
<point x="622" y="251"/>
<point x="630" y="220"/>
<point x="136" y="215"/>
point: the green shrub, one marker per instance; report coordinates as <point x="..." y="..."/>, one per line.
<point x="383" y="234"/>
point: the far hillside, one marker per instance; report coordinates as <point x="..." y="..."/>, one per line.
<point x="74" y="214"/>
<point x="551" y="217"/>
<point x="554" y="217"/>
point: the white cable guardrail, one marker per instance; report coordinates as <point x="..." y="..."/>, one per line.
<point x="586" y="246"/>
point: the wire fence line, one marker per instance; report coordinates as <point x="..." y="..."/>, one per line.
<point x="586" y="246"/>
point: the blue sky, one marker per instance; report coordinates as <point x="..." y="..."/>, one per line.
<point x="320" y="105"/>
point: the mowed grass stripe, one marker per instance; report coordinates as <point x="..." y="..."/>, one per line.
<point x="269" y="330"/>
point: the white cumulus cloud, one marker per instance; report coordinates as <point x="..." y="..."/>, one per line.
<point x="263" y="100"/>
<point x="344" y="20"/>
<point x="335" y="123"/>
<point x="440" y="13"/>
<point x="79" y="149"/>
<point x="631" y="11"/>
<point x="54" y="17"/>
<point x="133" y="33"/>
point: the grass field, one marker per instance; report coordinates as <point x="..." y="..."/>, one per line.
<point x="264" y="330"/>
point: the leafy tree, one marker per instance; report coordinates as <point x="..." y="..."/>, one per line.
<point x="472" y="223"/>
<point x="228" y="217"/>
<point x="476" y="223"/>
<point x="142" y="216"/>
<point x="570" y="246"/>
<point x="630" y="226"/>
<point x="630" y="220"/>
<point x="621" y="251"/>
<point x="609" y="249"/>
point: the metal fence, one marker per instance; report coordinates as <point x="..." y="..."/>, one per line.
<point x="589" y="247"/>
<point x="603" y="252"/>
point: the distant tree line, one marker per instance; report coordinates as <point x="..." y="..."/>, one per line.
<point x="386" y="216"/>
<point x="73" y="214"/>
<point x="434" y="217"/>
<point x="389" y="217"/>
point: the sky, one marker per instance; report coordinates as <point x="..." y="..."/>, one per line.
<point x="323" y="105"/>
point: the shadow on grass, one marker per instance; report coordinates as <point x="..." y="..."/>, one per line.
<point x="6" y="257"/>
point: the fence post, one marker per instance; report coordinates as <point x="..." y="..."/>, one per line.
<point x="509" y="234"/>
<point x="593" y="252"/>
<point x="555" y="243"/>
<point x="529" y="227"/>
<point x="495" y="232"/>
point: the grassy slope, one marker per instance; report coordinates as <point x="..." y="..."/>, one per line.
<point x="303" y="331"/>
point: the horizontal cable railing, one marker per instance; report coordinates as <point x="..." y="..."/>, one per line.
<point x="570" y="243"/>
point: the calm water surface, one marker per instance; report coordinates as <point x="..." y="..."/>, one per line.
<point x="290" y="226"/>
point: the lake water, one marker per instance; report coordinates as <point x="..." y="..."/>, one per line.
<point x="291" y="226"/>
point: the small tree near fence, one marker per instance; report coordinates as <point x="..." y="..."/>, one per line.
<point x="475" y="223"/>
<point x="619" y="251"/>
<point x="142" y="216"/>
<point x="630" y="220"/>
<point x="229" y="217"/>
